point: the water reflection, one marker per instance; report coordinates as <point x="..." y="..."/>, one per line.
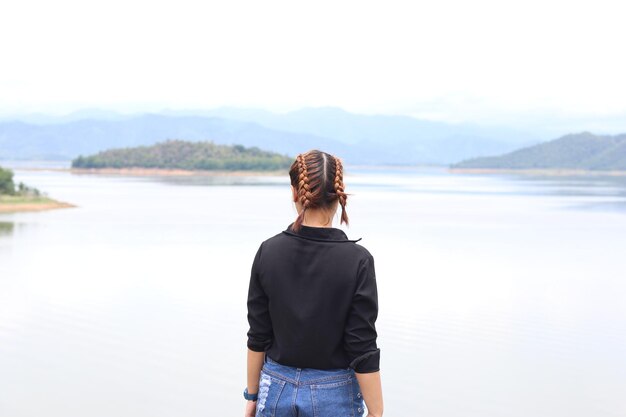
<point x="6" y="228"/>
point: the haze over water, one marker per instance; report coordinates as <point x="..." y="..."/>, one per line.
<point x="499" y="295"/>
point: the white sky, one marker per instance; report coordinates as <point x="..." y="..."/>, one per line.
<point x="452" y="60"/>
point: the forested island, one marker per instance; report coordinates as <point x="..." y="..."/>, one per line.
<point x="575" y="152"/>
<point x="177" y="154"/>
<point x="21" y="197"/>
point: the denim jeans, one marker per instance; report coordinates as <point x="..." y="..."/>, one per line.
<point x="285" y="391"/>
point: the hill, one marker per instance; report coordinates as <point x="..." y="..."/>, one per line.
<point x="178" y="154"/>
<point x="575" y="151"/>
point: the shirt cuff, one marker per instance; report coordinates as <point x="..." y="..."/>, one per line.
<point x="259" y="346"/>
<point x="366" y="363"/>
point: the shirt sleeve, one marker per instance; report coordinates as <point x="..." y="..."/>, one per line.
<point x="360" y="331"/>
<point x="260" y="333"/>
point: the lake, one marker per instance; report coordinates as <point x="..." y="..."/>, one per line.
<point x="499" y="295"/>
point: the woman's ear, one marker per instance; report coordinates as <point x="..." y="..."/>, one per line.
<point x="294" y="194"/>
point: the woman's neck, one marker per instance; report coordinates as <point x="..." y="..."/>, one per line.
<point x="317" y="225"/>
<point x="312" y="220"/>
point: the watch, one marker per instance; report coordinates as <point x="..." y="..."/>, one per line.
<point x="248" y="396"/>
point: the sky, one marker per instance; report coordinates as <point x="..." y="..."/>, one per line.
<point x="490" y="62"/>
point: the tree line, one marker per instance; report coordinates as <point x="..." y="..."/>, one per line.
<point x="179" y="154"/>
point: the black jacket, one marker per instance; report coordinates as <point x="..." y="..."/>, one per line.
<point x="313" y="301"/>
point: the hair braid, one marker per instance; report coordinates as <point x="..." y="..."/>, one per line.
<point x="304" y="189"/>
<point x="339" y="189"/>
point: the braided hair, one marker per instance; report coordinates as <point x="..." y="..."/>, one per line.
<point x="318" y="179"/>
<point x="339" y="187"/>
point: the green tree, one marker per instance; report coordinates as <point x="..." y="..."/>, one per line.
<point x="6" y="182"/>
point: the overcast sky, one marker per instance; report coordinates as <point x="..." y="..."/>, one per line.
<point x="483" y="61"/>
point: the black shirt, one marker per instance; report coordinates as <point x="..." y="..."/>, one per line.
<point x="313" y="301"/>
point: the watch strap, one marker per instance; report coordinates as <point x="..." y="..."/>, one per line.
<point x="248" y="396"/>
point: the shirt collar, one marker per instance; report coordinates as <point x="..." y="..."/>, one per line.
<point x="329" y="234"/>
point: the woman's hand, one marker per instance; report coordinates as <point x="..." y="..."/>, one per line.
<point x="250" y="408"/>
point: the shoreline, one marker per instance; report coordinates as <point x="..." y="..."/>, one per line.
<point x="556" y="172"/>
<point x="29" y="206"/>
<point x="168" y="172"/>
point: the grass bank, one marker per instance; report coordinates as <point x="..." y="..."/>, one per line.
<point x="18" y="203"/>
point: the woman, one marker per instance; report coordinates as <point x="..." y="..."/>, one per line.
<point x="312" y="307"/>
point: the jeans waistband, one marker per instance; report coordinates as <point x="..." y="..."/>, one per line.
<point x="305" y="376"/>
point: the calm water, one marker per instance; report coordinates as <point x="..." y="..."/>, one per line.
<point x="499" y="296"/>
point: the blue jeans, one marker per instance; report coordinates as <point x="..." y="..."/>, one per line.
<point x="285" y="391"/>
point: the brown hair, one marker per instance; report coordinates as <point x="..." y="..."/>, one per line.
<point x="318" y="178"/>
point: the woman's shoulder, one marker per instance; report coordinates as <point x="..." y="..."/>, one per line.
<point x="362" y="250"/>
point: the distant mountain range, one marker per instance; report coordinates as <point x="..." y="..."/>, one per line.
<point x="575" y="151"/>
<point x="358" y="139"/>
<point x="68" y="140"/>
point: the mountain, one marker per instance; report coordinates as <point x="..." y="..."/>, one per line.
<point x="186" y="155"/>
<point x="19" y="140"/>
<point x="358" y="139"/>
<point x="352" y="128"/>
<point x="433" y="141"/>
<point x="575" y="151"/>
